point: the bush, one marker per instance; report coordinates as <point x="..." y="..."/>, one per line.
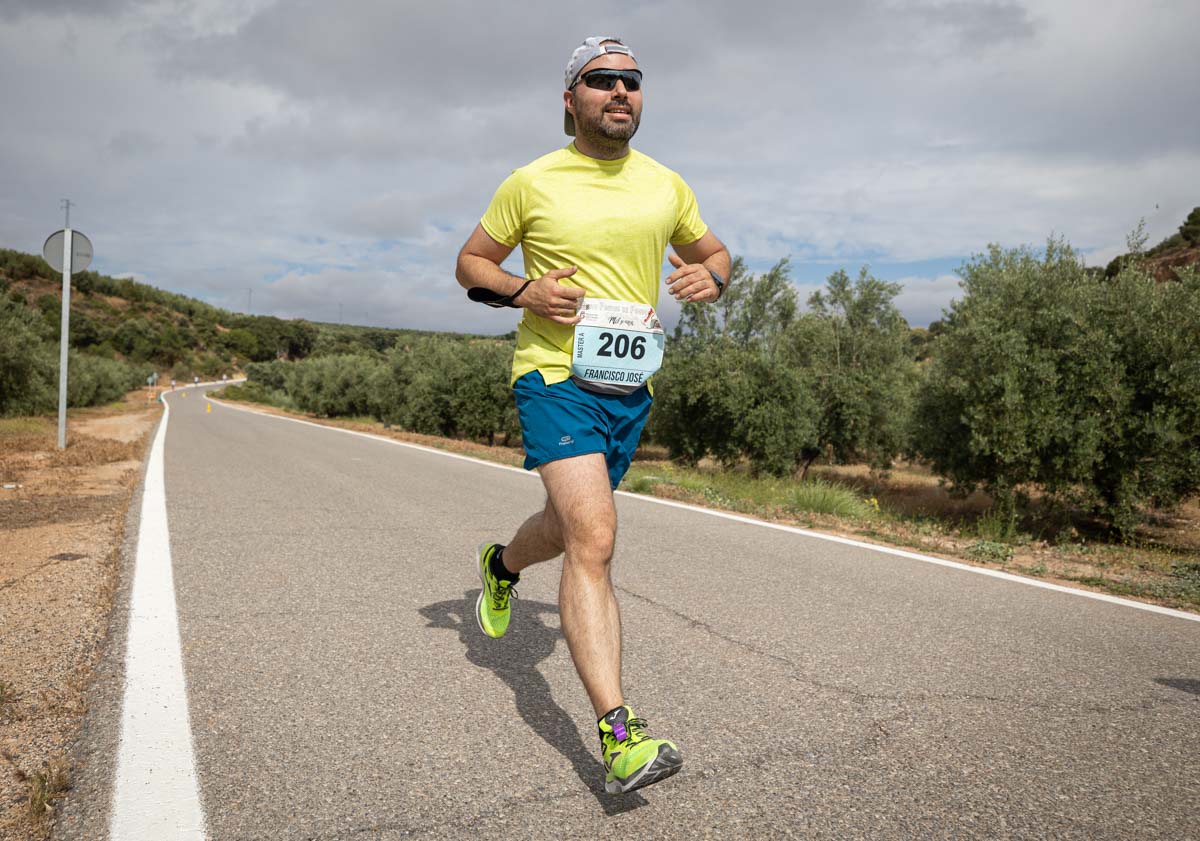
<point x="1047" y="376"/>
<point x="28" y="367"/>
<point x="818" y="497"/>
<point x="699" y="397"/>
<point x="1190" y="229"/>
<point x="92" y="381"/>
<point x="272" y="375"/>
<point x="334" y="385"/>
<point x="719" y="392"/>
<point x="857" y="348"/>
<point x="749" y="378"/>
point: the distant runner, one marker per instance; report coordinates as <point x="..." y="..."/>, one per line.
<point x="593" y="221"/>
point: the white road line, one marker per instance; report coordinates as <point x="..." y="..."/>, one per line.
<point x="155" y="794"/>
<point x="887" y="550"/>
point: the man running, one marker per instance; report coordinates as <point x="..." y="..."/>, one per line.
<point x="593" y="221"/>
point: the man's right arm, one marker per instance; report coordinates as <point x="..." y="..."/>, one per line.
<point x="479" y="265"/>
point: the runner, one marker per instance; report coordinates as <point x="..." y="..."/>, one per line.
<point x="593" y="221"/>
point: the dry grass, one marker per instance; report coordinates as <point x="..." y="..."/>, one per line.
<point x="84" y="451"/>
<point x="46" y="786"/>
<point x="909" y="490"/>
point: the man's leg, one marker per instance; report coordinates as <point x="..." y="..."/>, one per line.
<point x="581" y="500"/>
<point x="538" y="539"/>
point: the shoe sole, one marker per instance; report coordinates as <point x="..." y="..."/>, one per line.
<point x="666" y="764"/>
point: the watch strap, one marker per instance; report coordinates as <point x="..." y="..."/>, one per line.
<point x="720" y="283"/>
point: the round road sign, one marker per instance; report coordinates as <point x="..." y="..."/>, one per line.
<point x="81" y="251"/>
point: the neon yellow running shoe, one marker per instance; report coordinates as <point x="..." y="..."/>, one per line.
<point x="631" y="758"/>
<point x="491" y="609"/>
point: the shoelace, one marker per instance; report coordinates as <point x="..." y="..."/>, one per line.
<point x="503" y="592"/>
<point x="634" y="727"/>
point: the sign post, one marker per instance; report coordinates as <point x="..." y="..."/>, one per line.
<point x="71" y="252"/>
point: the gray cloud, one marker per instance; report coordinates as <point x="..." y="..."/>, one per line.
<point x="12" y="10"/>
<point x="304" y="148"/>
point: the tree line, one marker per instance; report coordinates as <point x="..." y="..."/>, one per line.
<point x="1045" y="377"/>
<point x="122" y="330"/>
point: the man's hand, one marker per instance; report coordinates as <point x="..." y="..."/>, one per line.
<point x="550" y="299"/>
<point x="691" y="282"/>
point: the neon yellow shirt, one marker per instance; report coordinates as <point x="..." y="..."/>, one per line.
<point x="611" y="219"/>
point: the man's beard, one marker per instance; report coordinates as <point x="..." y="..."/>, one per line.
<point x="608" y="133"/>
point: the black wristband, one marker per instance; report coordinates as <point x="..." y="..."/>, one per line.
<point x="512" y="299"/>
<point x="484" y="295"/>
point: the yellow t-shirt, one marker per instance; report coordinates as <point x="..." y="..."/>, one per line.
<point x="611" y="219"/>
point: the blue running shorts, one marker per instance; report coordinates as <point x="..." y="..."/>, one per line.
<point x="564" y="420"/>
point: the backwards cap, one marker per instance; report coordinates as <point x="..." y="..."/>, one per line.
<point x="590" y="49"/>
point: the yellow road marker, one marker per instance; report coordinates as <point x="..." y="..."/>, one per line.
<point x="208" y="408"/>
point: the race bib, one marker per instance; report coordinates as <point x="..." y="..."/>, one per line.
<point x="617" y="345"/>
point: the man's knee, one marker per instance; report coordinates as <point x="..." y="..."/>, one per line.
<point x="591" y="543"/>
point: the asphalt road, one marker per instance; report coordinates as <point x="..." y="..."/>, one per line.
<point x="340" y="689"/>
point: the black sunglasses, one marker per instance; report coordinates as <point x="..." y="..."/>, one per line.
<point x="606" y="80"/>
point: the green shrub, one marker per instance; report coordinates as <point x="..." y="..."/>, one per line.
<point x="990" y="550"/>
<point x="699" y="397"/>
<point x="1048" y="376"/>
<point x="1190" y="229"/>
<point x="92" y="381"/>
<point x="334" y="385"/>
<point x="857" y="348"/>
<point x="749" y="378"/>
<point x="819" y="497"/>
<point x="28" y="366"/>
<point x="271" y="375"/>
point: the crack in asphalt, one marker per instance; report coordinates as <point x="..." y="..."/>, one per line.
<point x="860" y="695"/>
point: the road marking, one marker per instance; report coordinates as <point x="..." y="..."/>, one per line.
<point x="887" y="550"/>
<point x="155" y="794"/>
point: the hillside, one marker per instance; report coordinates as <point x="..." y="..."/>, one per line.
<point x="1165" y="264"/>
<point x="1176" y="252"/>
<point x="178" y="336"/>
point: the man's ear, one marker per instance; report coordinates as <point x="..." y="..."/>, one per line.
<point x="569" y="102"/>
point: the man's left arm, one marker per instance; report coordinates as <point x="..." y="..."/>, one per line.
<point x="695" y="264"/>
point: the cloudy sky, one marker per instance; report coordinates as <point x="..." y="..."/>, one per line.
<point x="309" y="158"/>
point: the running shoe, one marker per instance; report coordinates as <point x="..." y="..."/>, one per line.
<point x="631" y="758"/>
<point x="491" y="609"/>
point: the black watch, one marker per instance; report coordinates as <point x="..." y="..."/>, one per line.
<point x="720" y="283"/>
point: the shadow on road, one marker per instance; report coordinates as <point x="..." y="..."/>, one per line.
<point x="1180" y="683"/>
<point x="514" y="660"/>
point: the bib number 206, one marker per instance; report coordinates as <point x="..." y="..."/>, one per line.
<point x="621" y="346"/>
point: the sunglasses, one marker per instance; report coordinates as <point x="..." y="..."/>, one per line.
<point x="606" y="80"/>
